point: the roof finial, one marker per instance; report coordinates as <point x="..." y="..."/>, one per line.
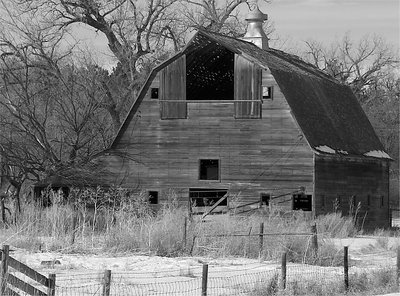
<point x="255" y="32"/>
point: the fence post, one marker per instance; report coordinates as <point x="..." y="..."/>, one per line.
<point x="106" y="283"/>
<point x="51" y="289"/>
<point x="346" y="267"/>
<point x="314" y="240"/>
<point x="185" y="233"/>
<point x="398" y="268"/>
<point x="4" y="268"/>
<point x="261" y="239"/>
<point x="204" y="280"/>
<point x="283" y="272"/>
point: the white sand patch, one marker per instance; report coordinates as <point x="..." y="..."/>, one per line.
<point x="325" y="149"/>
<point x="378" y="154"/>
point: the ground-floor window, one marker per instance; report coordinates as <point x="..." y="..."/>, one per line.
<point x="153" y="197"/>
<point x="200" y="197"/>
<point x="302" y="202"/>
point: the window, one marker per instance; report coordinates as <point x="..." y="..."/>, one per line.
<point x="200" y="197"/>
<point x="265" y="198"/>
<point x="153" y="197"/>
<point x="154" y="93"/>
<point x="382" y="201"/>
<point x="267" y="92"/>
<point x="209" y="169"/>
<point x="302" y="202"/>
<point x="368" y="200"/>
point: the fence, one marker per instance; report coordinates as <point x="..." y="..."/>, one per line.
<point x="203" y="279"/>
<point x="13" y="285"/>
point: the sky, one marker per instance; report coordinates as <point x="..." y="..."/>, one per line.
<point x="296" y="21"/>
<point x="327" y="20"/>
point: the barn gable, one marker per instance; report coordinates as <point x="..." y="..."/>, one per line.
<point x="326" y="111"/>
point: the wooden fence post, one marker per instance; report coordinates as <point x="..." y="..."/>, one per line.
<point x="4" y="268"/>
<point x="51" y="289"/>
<point x="204" y="280"/>
<point x="346" y="267"/>
<point x="106" y="283"/>
<point x="185" y="233"/>
<point x="261" y="239"/>
<point x="398" y="268"/>
<point x="314" y="240"/>
<point x="283" y="272"/>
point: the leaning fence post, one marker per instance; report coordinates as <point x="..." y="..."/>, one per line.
<point x="261" y="240"/>
<point x="346" y="267"/>
<point x="106" y="283"/>
<point x="4" y="268"/>
<point x="204" y="280"/>
<point x="283" y="272"/>
<point x="314" y="240"/>
<point x="398" y="268"/>
<point x="51" y="289"/>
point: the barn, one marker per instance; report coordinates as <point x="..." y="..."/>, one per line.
<point x="234" y="122"/>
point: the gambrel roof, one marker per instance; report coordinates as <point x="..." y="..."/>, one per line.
<point x="327" y="111"/>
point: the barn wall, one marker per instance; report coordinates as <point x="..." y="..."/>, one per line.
<point x="339" y="180"/>
<point x="268" y="155"/>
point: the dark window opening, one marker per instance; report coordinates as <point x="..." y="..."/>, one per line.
<point x="302" y="202"/>
<point x="267" y="92"/>
<point x="200" y="197"/>
<point x="154" y="93"/>
<point x="368" y="200"/>
<point x="153" y="197"/>
<point x="210" y="73"/>
<point x="382" y="201"/>
<point x="322" y="201"/>
<point x="265" y="198"/>
<point x="209" y="169"/>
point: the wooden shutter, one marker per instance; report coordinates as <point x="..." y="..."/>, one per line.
<point x="173" y="87"/>
<point x="248" y="77"/>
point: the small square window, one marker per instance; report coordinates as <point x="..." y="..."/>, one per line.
<point x="209" y="169"/>
<point x="154" y="93"/>
<point x="267" y="92"/>
<point x="153" y="197"/>
<point x="265" y="198"/>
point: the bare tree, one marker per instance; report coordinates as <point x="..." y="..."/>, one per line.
<point x="51" y="114"/>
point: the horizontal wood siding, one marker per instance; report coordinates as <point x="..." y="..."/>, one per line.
<point x="256" y="155"/>
<point x="340" y="179"/>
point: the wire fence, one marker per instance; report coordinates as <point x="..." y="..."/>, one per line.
<point x="215" y="278"/>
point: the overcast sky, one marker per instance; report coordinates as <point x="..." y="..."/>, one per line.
<point x="325" y="20"/>
<point x="300" y="20"/>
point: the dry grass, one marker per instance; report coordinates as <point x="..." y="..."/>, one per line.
<point x="116" y="221"/>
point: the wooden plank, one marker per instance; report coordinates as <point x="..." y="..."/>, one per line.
<point x="173" y="87"/>
<point x="29" y="272"/>
<point x="10" y="292"/>
<point x="27" y="288"/>
<point x="214" y="206"/>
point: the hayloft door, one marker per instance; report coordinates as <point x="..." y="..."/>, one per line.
<point x="248" y="91"/>
<point x="173" y="90"/>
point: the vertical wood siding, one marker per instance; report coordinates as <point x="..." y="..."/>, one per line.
<point x="173" y="87"/>
<point x="360" y="181"/>
<point x="247" y="86"/>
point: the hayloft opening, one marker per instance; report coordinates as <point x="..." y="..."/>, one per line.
<point x="210" y="73"/>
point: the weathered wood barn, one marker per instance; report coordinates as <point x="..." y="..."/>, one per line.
<point x="229" y="116"/>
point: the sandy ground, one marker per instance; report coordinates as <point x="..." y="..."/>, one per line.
<point x="82" y="274"/>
